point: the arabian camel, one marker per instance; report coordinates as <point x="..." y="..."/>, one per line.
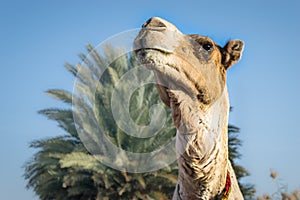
<point x="190" y="71"/>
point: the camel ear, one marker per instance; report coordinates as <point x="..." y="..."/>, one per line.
<point x="232" y="52"/>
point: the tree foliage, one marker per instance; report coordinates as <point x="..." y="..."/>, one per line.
<point x="234" y="143"/>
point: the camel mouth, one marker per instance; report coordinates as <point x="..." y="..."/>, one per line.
<point x="166" y="74"/>
<point x="149" y="61"/>
<point x="157" y="61"/>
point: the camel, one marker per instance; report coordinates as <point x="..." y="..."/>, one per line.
<point x="190" y="71"/>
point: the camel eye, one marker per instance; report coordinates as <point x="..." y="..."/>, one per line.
<point x="207" y="46"/>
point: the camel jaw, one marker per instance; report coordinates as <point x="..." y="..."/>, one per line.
<point x="167" y="76"/>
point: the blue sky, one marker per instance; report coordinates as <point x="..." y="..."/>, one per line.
<point x="38" y="37"/>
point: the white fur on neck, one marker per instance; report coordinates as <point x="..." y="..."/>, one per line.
<point x="201" y="144"/>
<point x="209" y="122"/>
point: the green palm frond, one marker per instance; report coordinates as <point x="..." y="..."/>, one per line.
<point x="234" y="143"/>
<point x="73" y="70"/>
<point x="61" y="95"/>
<point x="64" y="118"/>
<point x="83" y="161"/>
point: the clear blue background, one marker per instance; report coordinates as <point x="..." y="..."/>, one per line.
<point x="38" y="37"/>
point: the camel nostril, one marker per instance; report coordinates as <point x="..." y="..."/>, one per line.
<point x="147" y="23"/>
<point x="143" y="53"/>
<point x="154" y="22"/>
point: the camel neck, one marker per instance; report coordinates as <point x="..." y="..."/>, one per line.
<point x="202" y="150"/>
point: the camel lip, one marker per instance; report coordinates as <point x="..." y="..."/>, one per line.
<point x="149" y="63"/>
<point x="141" y="52"/>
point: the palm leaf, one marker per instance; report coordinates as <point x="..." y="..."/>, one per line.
<point x="61" y="95"/>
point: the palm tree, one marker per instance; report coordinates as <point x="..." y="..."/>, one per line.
<point x="234" y="143"/>
<point x="63" y="168"/>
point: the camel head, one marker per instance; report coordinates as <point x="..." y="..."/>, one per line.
<point x="192" y="64"/>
